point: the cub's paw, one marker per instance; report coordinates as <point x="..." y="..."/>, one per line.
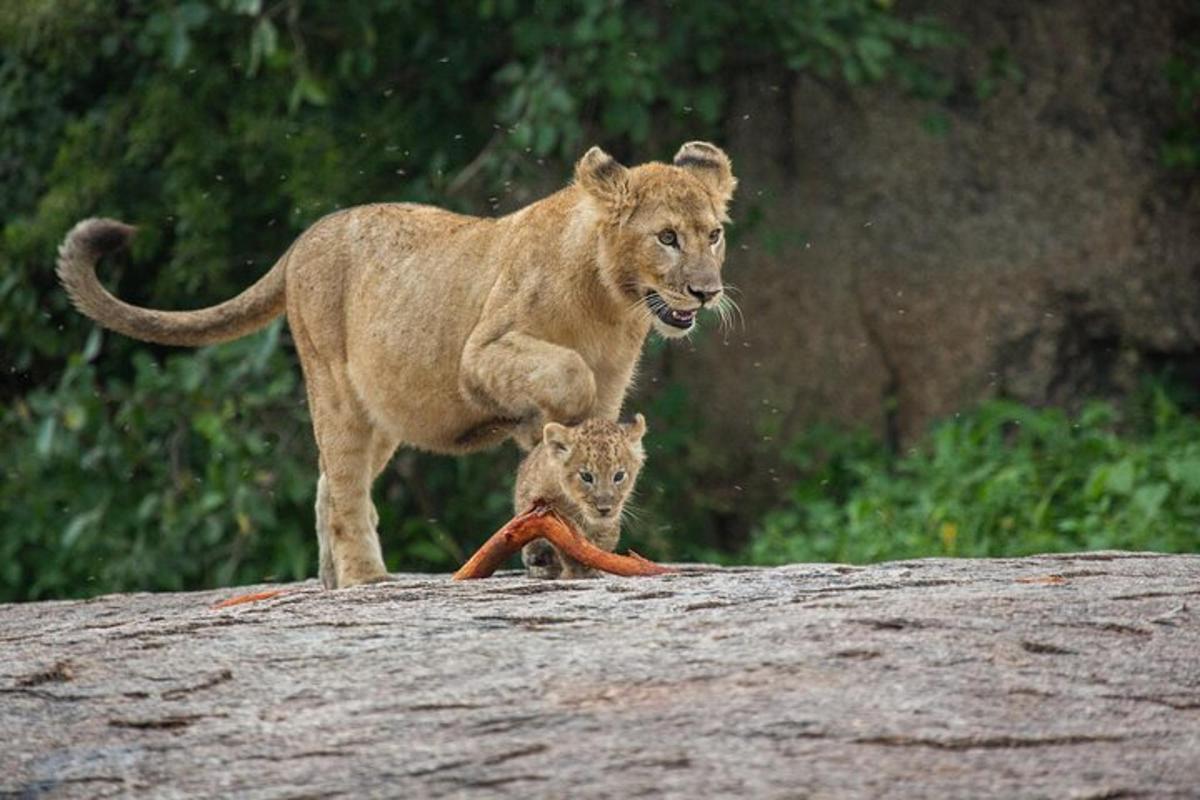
<point x="573" y="570"/>
<point x="541" y="560"/>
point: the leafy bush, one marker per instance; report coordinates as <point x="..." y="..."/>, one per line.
<point x="198" y="472"/>
<point x="184" y="474"/>
<point x="1004" y="480"/>
<point x="223" y="128"/>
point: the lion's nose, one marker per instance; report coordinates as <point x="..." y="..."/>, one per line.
<point x="703" y="293"/>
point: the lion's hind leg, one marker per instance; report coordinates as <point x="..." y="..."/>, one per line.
<point x="380" y="452"/>
<point x="351" y="452"/>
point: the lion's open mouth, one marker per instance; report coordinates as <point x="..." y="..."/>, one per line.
<point x="670" y="316"/>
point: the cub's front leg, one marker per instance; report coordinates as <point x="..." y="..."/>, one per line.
<point x="541" y="560"/>
<point x="604" y="538"/>
<point x="519" y="376"/>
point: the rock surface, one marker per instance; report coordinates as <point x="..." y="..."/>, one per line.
<point x="1074" y="676"/>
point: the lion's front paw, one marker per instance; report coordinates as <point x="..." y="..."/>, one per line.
<point x="528" y="434"/>
<point x="573" y="395"/>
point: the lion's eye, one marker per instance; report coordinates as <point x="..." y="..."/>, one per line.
<point x="619" y="476"/>
<point x="586" y="476"/>
<point x="714" y="236"/>
<point x="668" y="237"/>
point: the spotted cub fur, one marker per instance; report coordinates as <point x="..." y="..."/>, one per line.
<point x="586" y="474"/>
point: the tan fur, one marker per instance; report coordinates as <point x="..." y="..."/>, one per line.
<point x="451" y="333"/>
<point x="585" y="473"/>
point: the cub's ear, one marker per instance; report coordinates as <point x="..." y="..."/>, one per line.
<point x="634" y="431"/>
<point x="557" y="438"/>
<point x="710" y="164"/>
<point x="637" y="429"/>
<point x="603" y="178"/>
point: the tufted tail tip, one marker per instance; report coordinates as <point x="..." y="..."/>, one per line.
<point x="99" y="237"/>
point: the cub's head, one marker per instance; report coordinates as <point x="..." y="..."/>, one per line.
<point x="663" y="238"/>
<point x="598" y="463"/>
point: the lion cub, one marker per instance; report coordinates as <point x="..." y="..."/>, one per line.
<point x="585" y="473"/>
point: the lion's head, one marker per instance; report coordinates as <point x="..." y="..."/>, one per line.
<point x="663" y="238"/>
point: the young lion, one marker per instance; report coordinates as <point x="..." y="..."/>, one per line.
<point x="586" y="474"/>
<point x="449" y="333"/>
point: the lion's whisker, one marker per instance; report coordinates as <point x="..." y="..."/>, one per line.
<point x="731" y="307"/>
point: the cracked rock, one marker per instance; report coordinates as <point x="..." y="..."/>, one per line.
<point x="1054" y="676"/>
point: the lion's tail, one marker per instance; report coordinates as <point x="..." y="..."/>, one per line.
<point x="93" y="238"/>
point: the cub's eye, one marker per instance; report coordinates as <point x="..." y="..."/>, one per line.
<point x="714" y="236"/>
<point x="586" y="476"/>
<point x="619" y="476"/>
<point x="668" y="237"/>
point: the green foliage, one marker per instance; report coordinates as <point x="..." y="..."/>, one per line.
<point x="199" y="471"/>
<point x="1001" y="68"/>
<point x="1181" y="145"/>
<point x="1004" y="480"/>
<point x="671" y="514"/>
<point x="185" y="473"/>
<point x="223" y="128"/>
<point x="576" y="56"/>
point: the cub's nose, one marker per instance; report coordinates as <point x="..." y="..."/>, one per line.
<point x="604" y="511"/>
<point x="703" y="293"/>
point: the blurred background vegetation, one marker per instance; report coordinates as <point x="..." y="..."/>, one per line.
<point x="224" y="127"/>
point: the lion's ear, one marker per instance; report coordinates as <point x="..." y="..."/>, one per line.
<point x="557" y="438"/>
<point x="603" y="177"/>
<point x="710" y="164"/>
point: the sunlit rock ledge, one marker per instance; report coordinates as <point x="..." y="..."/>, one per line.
<point x="1050" y="676"/>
